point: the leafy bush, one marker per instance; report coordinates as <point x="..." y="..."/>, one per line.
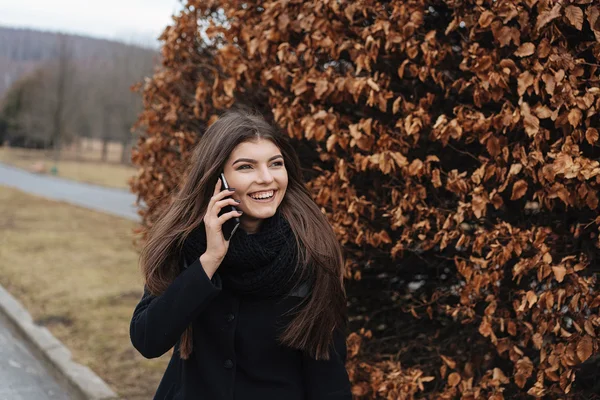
<point x="452" y="145"/>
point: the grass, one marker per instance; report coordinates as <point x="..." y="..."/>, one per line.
<point x="85" y="167"/>
<point x="76" y="272"/>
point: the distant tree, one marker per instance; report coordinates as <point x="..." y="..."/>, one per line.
<point x="20" y="120"/>
<point x="12" y="106"/>
<point x="80" y="87"/>
<point x="59" y="89"/>
<point x="2" y="131"/>
<point x="130" y="68"/>
<point x="118" y="105"/>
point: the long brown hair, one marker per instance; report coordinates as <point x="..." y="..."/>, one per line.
<point x="324" y="309"/>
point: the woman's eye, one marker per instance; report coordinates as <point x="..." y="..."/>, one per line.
<point x="276" y="164"/>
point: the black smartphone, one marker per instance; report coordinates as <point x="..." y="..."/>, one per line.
<point x="231" y="225"/>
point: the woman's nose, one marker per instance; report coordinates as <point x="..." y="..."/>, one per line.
<point x="265" y="176"/>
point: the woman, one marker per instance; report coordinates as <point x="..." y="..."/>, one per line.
<point x="259" y="316"/>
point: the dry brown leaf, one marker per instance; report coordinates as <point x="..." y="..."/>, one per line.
<point x="499" y="376"/>
<point x="493" y="146"/>
<point x="531" y="298"/>
<point x="524" y="81"/>
<point x="547" y="258"/>
<point x="574" y="15"/>
<point x="519" y="189"/>
<point x="585" y="348"/>
<point x="436" y="178"/>
<point x="396" y="105"/>
<point x="485" y="329"/>
<point x="520" y="380"/>
<point x="543" y="112"/>
<point x="538" y="340"/>
<point x="321" y="88"/>
<point x="486" y="18"/>
<point x="454" y="379"/>
<point x="575" y="117"/>
<point x="537" y="391"/>
<point x="399" y="158"/>
<point x="550" y="83"/>
<point x="524" y="369"/>
<point x="589" y="328"/>
<point x="511" y="328"/>
<point x="591" y="135"/>
<point x="579" y="267"/>
<point x="331" y="141"/>
<point x="559" y="273"/>
<point x="547" y="16"/>
<point x="449" y="361"/>
<point x="592" y="15"/>
<point x="530" y="121"/>
<point x="526" y="49"/>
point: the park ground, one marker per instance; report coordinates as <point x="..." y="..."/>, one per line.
<point x="76" y="272"/>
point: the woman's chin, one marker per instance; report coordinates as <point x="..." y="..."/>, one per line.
<point x="261" y="214"/>
<point x="261" y="211"/>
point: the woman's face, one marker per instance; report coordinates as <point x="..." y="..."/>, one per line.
<point x="257" y="171"/>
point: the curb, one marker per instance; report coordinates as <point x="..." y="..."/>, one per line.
<point x="79" y="377"/>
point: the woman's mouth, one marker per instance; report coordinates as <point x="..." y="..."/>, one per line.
<point x="263" y="196"/>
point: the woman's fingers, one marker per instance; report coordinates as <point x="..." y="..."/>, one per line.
<point x="216" y="203"/>
<point x="216" y="245"/>
<point x="222" y="203"/>
<point x="223" y="218"/>
<point x="212" y="200"/>
<point x="218" y="195"/>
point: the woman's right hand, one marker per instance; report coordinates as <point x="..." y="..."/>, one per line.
<point x="216" y="245"/>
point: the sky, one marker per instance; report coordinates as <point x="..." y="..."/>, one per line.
<point x="139" y="21"/>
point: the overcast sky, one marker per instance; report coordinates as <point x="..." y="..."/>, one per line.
<point x="124" y="20"/>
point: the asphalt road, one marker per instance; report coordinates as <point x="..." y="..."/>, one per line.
<point x="118" y="202"/>
<point x="22" y="375"/>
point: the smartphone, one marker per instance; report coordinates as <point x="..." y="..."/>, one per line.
<point x="231" y="225"/>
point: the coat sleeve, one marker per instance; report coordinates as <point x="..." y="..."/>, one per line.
<point x="159" y="321"/>
<point x="328" y="379"/>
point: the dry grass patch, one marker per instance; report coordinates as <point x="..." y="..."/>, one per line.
<point x="76" y="272"/>
<point x="86" y="169"/>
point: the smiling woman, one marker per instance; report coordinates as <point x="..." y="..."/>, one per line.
<point x="259" y="316"/>
<point x="260" y="183"/>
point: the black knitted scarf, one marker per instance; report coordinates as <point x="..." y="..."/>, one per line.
<point x="262" y="264"/>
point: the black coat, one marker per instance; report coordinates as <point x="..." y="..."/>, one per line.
<point x="235" y="353"/>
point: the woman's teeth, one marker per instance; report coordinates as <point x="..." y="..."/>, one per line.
<point x="263" y="196"/>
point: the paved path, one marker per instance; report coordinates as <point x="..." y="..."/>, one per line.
<point x="23" y="376"/>
<point x="118" y="202"/>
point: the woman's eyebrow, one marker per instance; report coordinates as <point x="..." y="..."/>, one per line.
<point x="249" y="160"/>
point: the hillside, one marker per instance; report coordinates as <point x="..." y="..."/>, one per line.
<point x="22" y="50"/>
